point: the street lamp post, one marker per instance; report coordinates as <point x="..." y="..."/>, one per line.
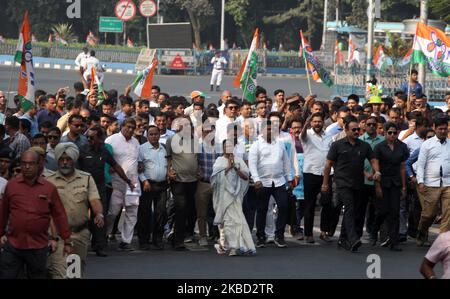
<point x="222" y="27"/>
<point x="369" y="39"/>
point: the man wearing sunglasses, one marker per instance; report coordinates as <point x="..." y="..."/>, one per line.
<point x="224" y="123"/>
<point x="75" y="132"/>
<point x="372" y="138"/>
<point x="390" y="157"/>
<point x="347" y="157"/>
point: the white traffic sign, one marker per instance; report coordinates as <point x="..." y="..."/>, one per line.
<point x="125" y="10"/>
<point x="148" y="8"/>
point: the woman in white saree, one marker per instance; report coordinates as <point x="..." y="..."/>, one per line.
<point x="230" y="183"/>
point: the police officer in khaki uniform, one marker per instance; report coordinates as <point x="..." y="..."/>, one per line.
<point x="78" y="194"/>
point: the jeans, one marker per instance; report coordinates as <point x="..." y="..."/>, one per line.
<point x="299" y="213"/>
<point x="263" y="195"/>
<point x="184" y="199"/>
<point x="13" y="261"/>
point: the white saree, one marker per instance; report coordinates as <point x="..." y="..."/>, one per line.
<point x="228" y="193"/>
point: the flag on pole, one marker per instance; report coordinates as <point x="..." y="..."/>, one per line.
<point x="91" y="39"/>
<point x="95" y="81"/>
<point x="431" y="46"/>
<point x="351" y="50"/>
<point x="407" y="59"/>
<point x="142" y="85"/>
<point x="314" y="65"/>
<point x="339" y="57"/>
<point x="381" y="60"/>
<point x="246" y="78"/>
<point x="24" y="56"/>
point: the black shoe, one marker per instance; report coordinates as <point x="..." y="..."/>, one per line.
<point x="212" y="88"/>
<point x="217" y="88"/>
<point x="395" y="248"/>
<point x="125" y="247"/>
<point x="402" y="238"/>
<point x="101" y="253"/>
<point x="386" y="243"/>
<point x="281" y="243"/>
<point x="373" y="239"/>
<point x="144" y="246"/>
<point x="343" y="244"/>
<point x="180" y="247"/>
<point x="356" y="245"/>
<point x="261" y="243"/>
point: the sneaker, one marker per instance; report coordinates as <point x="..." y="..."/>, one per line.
<point x="203" y="242"/>
<point x="219" y="249"/>
<point x="300" y="236"/>
<point x="212" y="88"/>
<point x="270" y="240"/>
<point x="233" y="252"/>
<point x="261" y="243"/>
<point x="125" y="247"/>
<point x="188" y="239"/>
<point x="281" y="243"/>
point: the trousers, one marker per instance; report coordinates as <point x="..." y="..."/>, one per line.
<point x="13" y="261"/>
<point x="263" y="195"/>
<point x="115" y="207"/>
<point x="216" y="77"/>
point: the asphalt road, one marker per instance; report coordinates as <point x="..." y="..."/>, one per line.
<point x="50" y="80"/>
<point x="298" y="261"/>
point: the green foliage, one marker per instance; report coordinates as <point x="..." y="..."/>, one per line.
<point x="440" y="9"/>
<point x="65" y="32"/>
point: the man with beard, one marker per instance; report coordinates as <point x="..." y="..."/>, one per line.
<point x="78" y="194"/>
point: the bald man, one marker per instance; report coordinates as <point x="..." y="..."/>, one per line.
<point x="224" y="97"/>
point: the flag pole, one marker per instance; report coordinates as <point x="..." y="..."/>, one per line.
<point x="306" y="64"/>
<point x="408" y="100"/>
<point x="10" y="80"/>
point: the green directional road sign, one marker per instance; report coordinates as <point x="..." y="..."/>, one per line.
<point x="110" y="25"/>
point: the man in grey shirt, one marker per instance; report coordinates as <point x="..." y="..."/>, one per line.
<point x="182" y="170"/>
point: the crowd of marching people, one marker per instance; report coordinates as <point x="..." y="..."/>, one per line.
<point x="78" y="169"/>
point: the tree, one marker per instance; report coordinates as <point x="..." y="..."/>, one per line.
<point x="441" y="9"/>
<point x="358" y="14"/>
<point x="197" y="11"/>
<point x="311" y="10"/>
